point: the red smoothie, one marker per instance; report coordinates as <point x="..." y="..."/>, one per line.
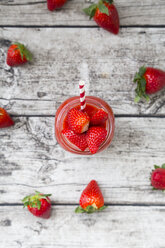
<point x="93" y="104"/>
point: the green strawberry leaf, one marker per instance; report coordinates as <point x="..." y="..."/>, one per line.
<point x="142" y="70"/>
<point x="79" y="210"/>
<point x="108" y="1"/>
<point x="90" y="11"/>
<point x="38" y="204"/>
<point x="26" y="198"/>
<point x="103" y="9"/>
<point x="163" y="166"/>
<point x="154" y="189"/>
<point x="137" y="99"/>
<point x="141" y="85"/>
<point x="34" y="201"/>
<point x="156" y="166"/>
<point x="102" y="208"/>
<point x="89" y="209"/>
<point x="24" y="51"/>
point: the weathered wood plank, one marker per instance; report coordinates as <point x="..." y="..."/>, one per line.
<point x="148" y="12"/>
<point x="116" y="226"/>
<point x="64" y="56"/>
<point x="32" y="160"/>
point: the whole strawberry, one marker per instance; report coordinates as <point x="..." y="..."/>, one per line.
<point x="38" y="204"/>
<point x="5" y="119"/>
<point x="105" y="15"/>
<point x="91" y="199"/>
<point x="55" y="4"/>
<point x="78" y="140"/>
<point x="149" y="81"/>
<point x="18" y="54"/>
<point x="158" y="177"/>
<point x="99" y="118"/>
<point x="78" y="121"/>
<point x="95" y="137"/>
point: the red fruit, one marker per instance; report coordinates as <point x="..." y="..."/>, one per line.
<point x="91" y="199"/>
<point x="55" y="4"/>
<point x="78" y="121"/>
<point x="149" y="80"/>
<point x="95" y="137"/>
<point x="5" y="119"/>
<point x="38" y="204"/>
<point x="99" y="117"/>
<point x="158" y="177"/>
<point x="78" y="140"/>
<point x="18" y="54"/>
<point x="105" y="15"/>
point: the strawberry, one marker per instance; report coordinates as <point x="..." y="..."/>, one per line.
<point x="158" y="177"/>
<point x="18" y="54"/>
<point x="105" y="15"/>
<point x="99" y="117"/>
<point x="5" y="119"/>
<point x="78" y="121"/>
<point x="91" y="199"/>
<point x="78" y="140"/>
<point x="149" y="80"/>
<point x="95" y="137"/>
<point x="38" y="204"/>
<point x="55" y="4"/>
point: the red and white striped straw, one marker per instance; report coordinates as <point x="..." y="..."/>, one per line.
<point x="82" y="95"/>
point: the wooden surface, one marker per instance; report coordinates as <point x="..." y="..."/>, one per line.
<point x="132" y="12"/>
<point x="116" y="226"/>
<point x="67" y="47"/>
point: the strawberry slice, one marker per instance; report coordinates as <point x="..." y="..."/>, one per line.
<point x="91" y="199"/>
<point x="95" y="137"/>
<point x="78" y="121"/>
<point x="5" y="119"/>
<point x="99" y="117"/>
<point x="78" y="140"/>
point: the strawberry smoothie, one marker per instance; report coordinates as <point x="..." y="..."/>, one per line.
<point x="84" y="132"/>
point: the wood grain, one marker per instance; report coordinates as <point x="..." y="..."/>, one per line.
<point x="32" y="160"/>
<point x="118" y="226"/>
<point x="148" y="12"/>
<point x="64" y="56"/>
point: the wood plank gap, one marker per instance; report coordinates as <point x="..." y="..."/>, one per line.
<point x="106" y="204"/>
<point x="116" y="116"/>
<point x="79" y="26"/>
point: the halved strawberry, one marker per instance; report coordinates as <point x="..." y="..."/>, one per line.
<point x="99" y="117"/>
<point x="5" y="119"/>
<point x="78" y="140"/>
<point x="91" y="199"/>
<point x="95" y="137"/>
<point x="78" y="121"/>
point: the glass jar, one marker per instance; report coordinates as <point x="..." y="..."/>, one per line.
<point x="74" y="102"/>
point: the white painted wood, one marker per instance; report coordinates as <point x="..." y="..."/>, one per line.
<point x="26" y="12"/>
<point x="116" y="227"/>
<point x="64" y="56"/>
<point x="32" y="160"/>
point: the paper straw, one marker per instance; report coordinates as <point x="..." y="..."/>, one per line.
<point x="82" y="95"/>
